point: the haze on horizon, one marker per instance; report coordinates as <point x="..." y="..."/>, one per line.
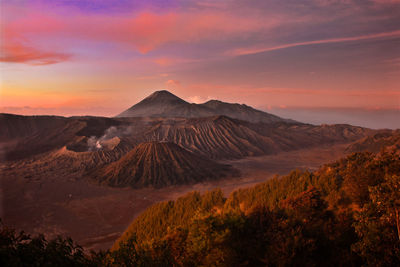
<point x="318" y="61"/>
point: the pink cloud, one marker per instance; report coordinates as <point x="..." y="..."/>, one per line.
<point x="386" y="1"/>
<point x="254" y="50"/>
<point x="144" y="31"/>
<point x="332" y="2"/>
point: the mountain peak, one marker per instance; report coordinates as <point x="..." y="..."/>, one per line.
<point x="158" y="103"/>
<point x="163" y="94"/>
<point x="213" y="101"/>
<point x="162" y="97"/>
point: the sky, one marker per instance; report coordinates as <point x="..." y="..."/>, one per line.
<point x="318" y="61"/>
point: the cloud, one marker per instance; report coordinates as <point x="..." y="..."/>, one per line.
<point x="393" y="62"/>
<point x="18" y="53"/>
<point x="324" y="92"/>
<point x="61" y="110"/>
<point x="164" y="61"/>
<point x="145" y="31"/>
<point x="172" y="83"/>
<point x="198" y="99"/>
<point x="386" y="1"/>
<point x="264" y="96"/>
<point x="376" y="118"/>
<point x="255" y="50"/>
<point x="332" y="2"/>
<point x="169" y="61"/>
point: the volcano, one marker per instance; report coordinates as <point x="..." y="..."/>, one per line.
<point x="159" y="164"/>
<point x="166" y="104"/>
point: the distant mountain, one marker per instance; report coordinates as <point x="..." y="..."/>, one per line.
<point x="159" y="164"/>
<point x="165" y="104"/>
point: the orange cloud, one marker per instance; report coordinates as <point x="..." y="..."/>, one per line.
<point x="168" y="61"/>
<point x="18" y="53"/>
<point x="164" y="61"/>
<point x="198" y="99"/>
<point x="61" y="110"/>
<point x="172" y="83"/>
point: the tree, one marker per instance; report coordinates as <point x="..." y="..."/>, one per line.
<point x="377" y="225"/>
<point x="20" y="249"/>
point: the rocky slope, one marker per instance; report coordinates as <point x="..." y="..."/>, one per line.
<point x="221" y="137"/>
<point x="159" y="164"/>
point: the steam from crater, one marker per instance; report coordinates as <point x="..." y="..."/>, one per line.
<point x="95" y="143"/>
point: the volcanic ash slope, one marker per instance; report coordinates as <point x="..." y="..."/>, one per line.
<point x="159" y="164"/>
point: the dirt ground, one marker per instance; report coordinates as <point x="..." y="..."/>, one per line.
<point x="95" y="216"/>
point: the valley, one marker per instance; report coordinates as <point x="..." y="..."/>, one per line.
<point x="89" y="177"/>
<point x="95" y="216"/>
<point x="199" y="133"/>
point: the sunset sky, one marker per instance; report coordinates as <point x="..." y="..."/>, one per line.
<point x="333" y="61"/>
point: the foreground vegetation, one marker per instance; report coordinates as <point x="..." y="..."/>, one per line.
<point x="346" y="214"/>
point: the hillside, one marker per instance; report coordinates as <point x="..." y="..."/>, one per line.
<point x="159" y="164"/>
<point x="376" y="142"/>
<point x="334" y="216"/>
